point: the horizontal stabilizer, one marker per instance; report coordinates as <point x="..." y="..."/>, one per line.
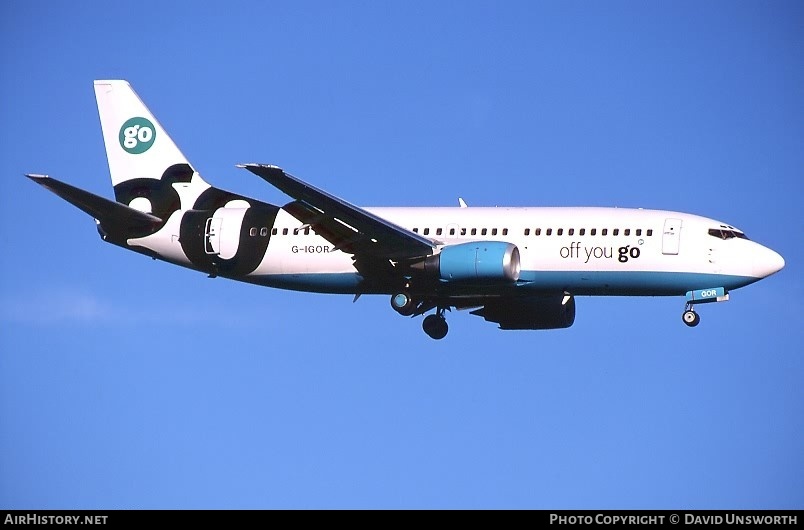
<point x="102" y="209"/>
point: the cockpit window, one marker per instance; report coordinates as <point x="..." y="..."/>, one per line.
<point x="723" y="233"/>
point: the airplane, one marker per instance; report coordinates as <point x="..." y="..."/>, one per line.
<point x="520" y="268"/>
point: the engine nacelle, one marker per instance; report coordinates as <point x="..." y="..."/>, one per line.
<point x="552" y="312"/>
<point x="476" y="261"/>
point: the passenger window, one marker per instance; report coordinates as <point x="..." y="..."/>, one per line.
<point x="452" y="231"/>
<point x="463" y="231"/>
<point x="527" y="231"/>
<point x="505" y="231"/>
<point x="474" y="231"/>
<point x="615" y="232"/>
<point x="571" y="232"/>
<point x="483" y="232"/>
<point x="252" y="232"/>
<point x="583" y="231"/>
<point x="650" y="232"/>
<point x="427" y="231"/>
<point x="273" y="231"/>
<point x="537" y="232"/>
<point x="438" y="231"/>
<point x="549" y="232"/>
<point x="560" y="232"/>
<point x="639" y="231"/>
<point x="494" y="231"/>
<point x="307" y="230"/>
<point x="284" y="231"/>
<point x="593" y="232"/>
<point x="627" y="231"/>
<point x="295" y="231"/>
<point x="264" y="231"/>
<point x="604" y="232"/>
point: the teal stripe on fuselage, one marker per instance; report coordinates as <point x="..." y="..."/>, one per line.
<point x="580" y="283"/>
<point x="630" y="283"/>
<point x="325" y="282"/>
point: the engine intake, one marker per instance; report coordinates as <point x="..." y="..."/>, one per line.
<point x="476" y="261"/>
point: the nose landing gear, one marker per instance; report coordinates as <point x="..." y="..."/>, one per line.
<point x="701" y="296"/>
<point x="690" y="317"/>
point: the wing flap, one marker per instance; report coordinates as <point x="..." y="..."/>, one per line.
<point x="345" y="225"/>
<point x="329" y="228"/>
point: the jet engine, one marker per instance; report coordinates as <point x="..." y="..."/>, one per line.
<point x="484" y="261"/>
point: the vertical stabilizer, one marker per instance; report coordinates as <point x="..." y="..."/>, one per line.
<point x="148" y="171"/>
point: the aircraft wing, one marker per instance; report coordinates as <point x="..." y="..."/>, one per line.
<point x="348" y="227"/>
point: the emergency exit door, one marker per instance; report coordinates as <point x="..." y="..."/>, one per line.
<point x="671" y="236"/>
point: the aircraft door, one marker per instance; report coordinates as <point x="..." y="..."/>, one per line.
<point x="212" y="236"/>
<point x="671" y="236"/>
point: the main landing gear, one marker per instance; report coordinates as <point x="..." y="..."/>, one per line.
<point x="690" y="317"/>
<point x="434" y="325"/>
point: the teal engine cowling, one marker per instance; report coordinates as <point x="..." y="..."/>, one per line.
<point x="484" y="261"/>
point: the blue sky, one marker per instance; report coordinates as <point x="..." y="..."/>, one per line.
<point x="129" y="383"/>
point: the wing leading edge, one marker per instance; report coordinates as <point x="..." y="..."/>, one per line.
<point x="348" y="227"/>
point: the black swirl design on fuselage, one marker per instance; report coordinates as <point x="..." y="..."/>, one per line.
<point x="165" y="200"/>
<point x="251" y="248"/>
<point x="159" y="192"/>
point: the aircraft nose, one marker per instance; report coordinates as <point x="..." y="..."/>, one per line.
<point x="767" y="262"/>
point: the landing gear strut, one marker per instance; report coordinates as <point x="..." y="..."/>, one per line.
<point x="690" y="317"/>
<point x="436" y="325"/>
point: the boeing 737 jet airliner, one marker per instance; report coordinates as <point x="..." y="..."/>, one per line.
<point x="520" y="268"/>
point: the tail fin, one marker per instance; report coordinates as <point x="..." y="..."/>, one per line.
<point x="148" y="171"/>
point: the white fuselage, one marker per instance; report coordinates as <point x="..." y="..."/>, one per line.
<point x="583" y="251"/>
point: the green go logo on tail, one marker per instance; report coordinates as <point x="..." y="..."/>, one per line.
<point x="137" y="135"/>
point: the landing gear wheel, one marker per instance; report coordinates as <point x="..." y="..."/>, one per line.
<point x="435" y="326"/>
<point x="691" y="318"/>
<point x="403" y="303"/>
